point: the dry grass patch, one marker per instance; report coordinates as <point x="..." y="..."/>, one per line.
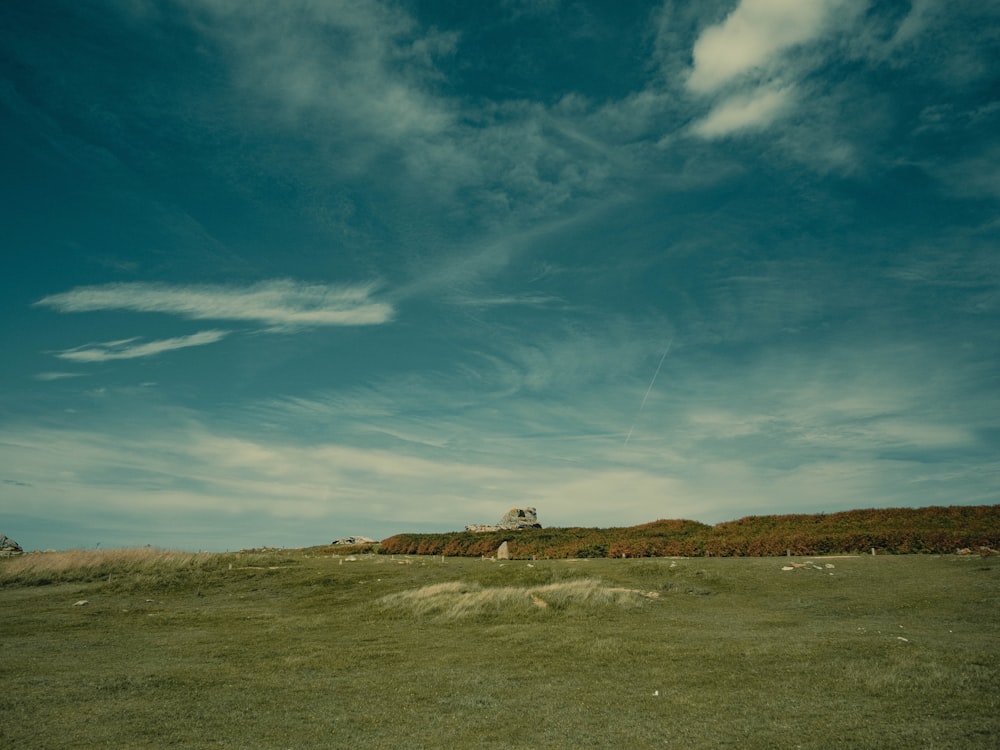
<point x="457" y="600"/>
<point x="58" y="564"/>
<point x="125" y="566"/>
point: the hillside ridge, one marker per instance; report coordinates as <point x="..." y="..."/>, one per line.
<point x="932" y="529"/>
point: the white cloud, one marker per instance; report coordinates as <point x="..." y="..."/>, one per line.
<point x="752" y="36"/>
<point x="167" y="469"/>
<point x="753" y="70"/>
<point x="128" y="349"/>
<point x="279" y="303"/>
<point x="743" y="112"/>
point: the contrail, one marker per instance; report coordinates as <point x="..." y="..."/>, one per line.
<point x="646" y="395"/>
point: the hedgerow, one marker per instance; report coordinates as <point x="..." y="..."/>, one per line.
<point x="934" y="529"/>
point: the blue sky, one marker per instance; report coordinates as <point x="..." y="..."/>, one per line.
<point x="275" y="273"/>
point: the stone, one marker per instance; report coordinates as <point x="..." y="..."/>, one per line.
<point x="520" y="518"/>
<point x="481" y="527"/>
<point x="503" y="553"/>
<point x="349" y="540"/>
<point x="513" y="520"/>
<point x="9" y="547"/>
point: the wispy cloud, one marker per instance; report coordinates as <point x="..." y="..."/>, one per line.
<point x="46" y="377"/>
<point x="744" y="112"/>
<point x="510" y="300"/>
<point x="381" y="99"/>
<point x="129" y="349"/>
<point x="374" y="80"/>
<point x="279" y="302"/>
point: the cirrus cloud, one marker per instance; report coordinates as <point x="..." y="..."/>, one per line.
<point x="279" y="302"/>
<point x="129" y="349"/>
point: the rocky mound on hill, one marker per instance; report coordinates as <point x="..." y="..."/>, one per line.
<point x="513" y="519"/>
<point x="353" y="540"/>
<point x="9" y="547"/>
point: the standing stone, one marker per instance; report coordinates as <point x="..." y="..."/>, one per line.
<point x="502" y="552"/>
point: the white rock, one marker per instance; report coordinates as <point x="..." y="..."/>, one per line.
<point x="9" y="547"/>
<point x="352" y="540"/>
<point x="515" y="518"/>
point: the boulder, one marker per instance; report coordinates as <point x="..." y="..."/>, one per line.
<point x="9" y="547"/>
<point x="520" y="518"/>
<point x="513" y="519"/>
<point x="350" y="540"/>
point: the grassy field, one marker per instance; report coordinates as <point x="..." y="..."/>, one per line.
<point x="302" y="649"/>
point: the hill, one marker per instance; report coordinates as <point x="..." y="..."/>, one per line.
<point x="934" y="529"/>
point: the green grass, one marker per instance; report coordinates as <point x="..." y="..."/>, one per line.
<point x="301" y="650"/>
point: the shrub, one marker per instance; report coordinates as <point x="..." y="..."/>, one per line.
<point x="894" y="530"/>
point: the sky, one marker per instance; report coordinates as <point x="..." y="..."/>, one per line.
<point x="278" y="273"/>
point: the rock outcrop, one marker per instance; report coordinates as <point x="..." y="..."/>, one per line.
<point x="513" y="519"/>
<point x="353" y="540"/>
<point x="9" y="547"/>
<point x="520" y="518"/>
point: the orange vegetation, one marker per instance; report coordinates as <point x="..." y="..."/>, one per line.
<point x="889" y="530"/>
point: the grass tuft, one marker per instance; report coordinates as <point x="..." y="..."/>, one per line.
<point x="456" y="600"/>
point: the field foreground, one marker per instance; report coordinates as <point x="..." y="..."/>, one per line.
<point x="302" y="649"/>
